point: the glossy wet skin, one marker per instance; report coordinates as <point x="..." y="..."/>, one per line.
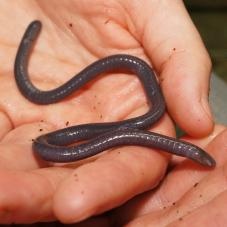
<point x="101" y="136"/>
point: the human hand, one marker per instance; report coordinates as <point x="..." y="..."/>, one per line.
<point x="188" y="196"/>
<point x="71" y="39"/>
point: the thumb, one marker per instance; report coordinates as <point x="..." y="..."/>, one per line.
<point x="182" y="62"/>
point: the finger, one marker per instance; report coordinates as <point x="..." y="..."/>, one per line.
<point x="181" y="60"/>
<point x="205" y="141"/>
<point x="99" y="221"/>
<point x="201" y="142"/>
<point x="185" y="176"/>
<point x="16" y="147"/>
<point x="212" y="214"/>
<point x="198" y="196"/>
<point x="26" y="197"/>
<point x="204" y="194"/>
<point x="108" y="182"/>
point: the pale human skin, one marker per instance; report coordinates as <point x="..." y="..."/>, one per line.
<point x="75" y="34"/>
<point x="188" y="196"/>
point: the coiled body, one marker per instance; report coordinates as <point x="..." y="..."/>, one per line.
<point x="101" y="136"/>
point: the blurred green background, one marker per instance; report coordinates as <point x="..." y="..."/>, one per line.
<point x="210" y="18"/>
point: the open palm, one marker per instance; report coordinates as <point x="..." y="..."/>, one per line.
<point x="75" y="34"/>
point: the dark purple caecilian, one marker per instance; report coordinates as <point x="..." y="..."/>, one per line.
<point x="55" y="147"/>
